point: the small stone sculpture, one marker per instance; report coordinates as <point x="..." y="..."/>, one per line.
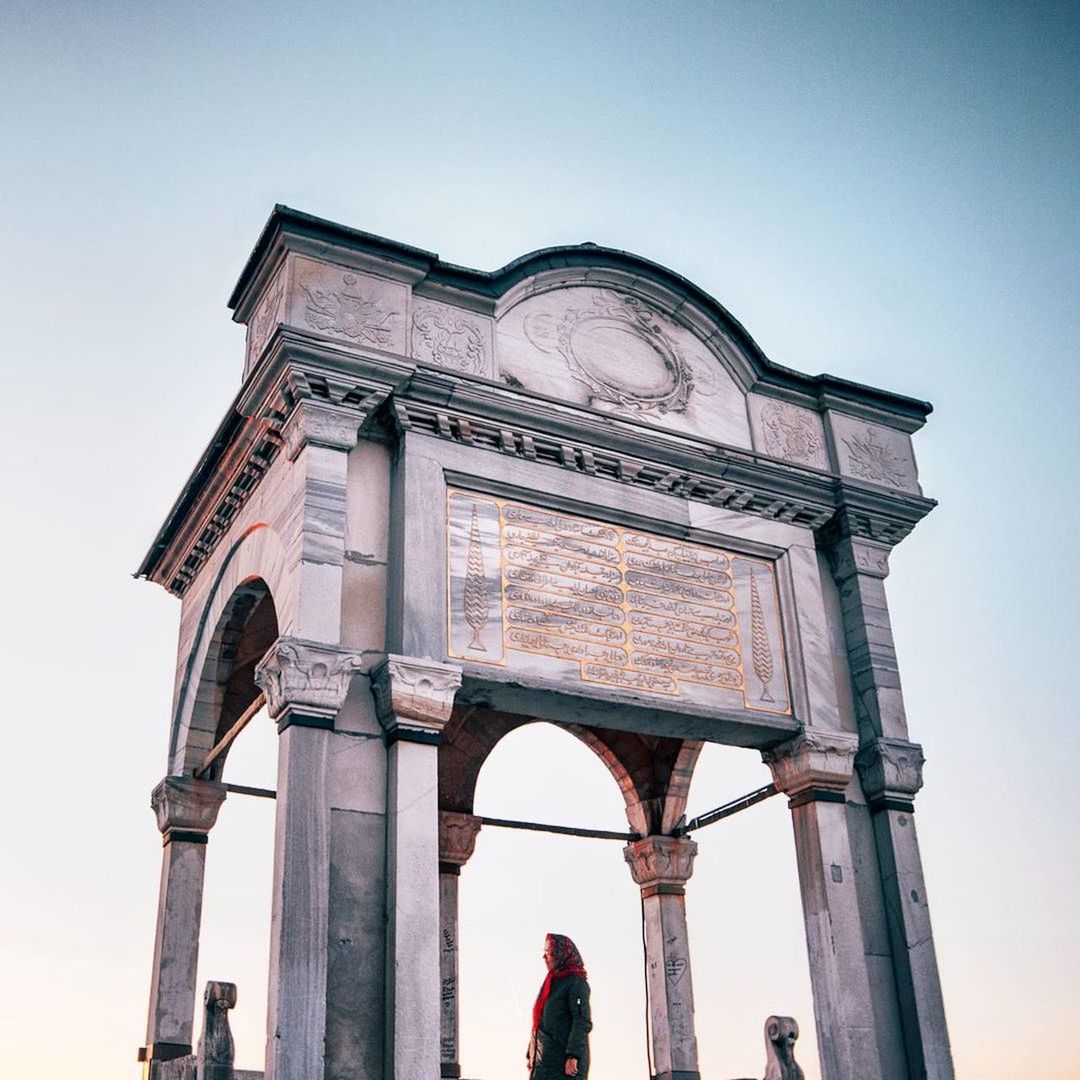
<point x="217" y="1051"/>
<point x="780" y="1035"/>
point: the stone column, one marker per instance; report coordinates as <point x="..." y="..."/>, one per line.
<point x="860" y="567"/>
<point x="890" y="769"/>
<point x="186" y="810"/>
<point x="305" y="684"/>
<point x="814" y="769"/>
<point x="891" y="773"/>
<point x="413" y="699"/>
<point x="457" y="839"/>
<point x="661" y="866"/>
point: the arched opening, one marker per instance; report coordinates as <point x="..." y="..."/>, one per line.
<point x="519" y="885"/>
<point x="235" y="932"/>
<point x="247" y="627"/>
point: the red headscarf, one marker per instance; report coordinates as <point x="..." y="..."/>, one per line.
<point x="567" y="962"/>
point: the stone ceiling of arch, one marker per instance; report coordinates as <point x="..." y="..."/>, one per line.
<point x="615" y="352"/>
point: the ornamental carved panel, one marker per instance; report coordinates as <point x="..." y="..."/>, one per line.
<point x="356" y="308"/>
<point x="451" y="338"/>
<point x="615" y="352"/>
<point x="564" y="597"/>
<point x="873" y="453"/>
<point x="789" y="432"/>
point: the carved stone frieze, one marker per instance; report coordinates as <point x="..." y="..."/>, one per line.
<point x="414" y="694"/>
<point x="657" y="374"/>
<point x="321" y="425"/>
<point x="356" y="307"/>
<point x="874" y="453"/>
<point x="890" y="769"/>
<point x="789" y="432"/>
<point x="450" y="338"/>
<point x="305" y="675"/>
<point x="457" y="837"/>
<point x="660" y="860"/>
<point x="185" y="804"/>
<point x="818" y="760"/>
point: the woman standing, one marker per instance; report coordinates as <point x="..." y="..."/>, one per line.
<point x="561" y="1019"/>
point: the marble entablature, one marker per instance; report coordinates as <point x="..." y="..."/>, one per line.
<point x="605" y="340"/>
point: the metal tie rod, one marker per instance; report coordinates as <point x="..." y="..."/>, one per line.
<point x="733" y="807"/>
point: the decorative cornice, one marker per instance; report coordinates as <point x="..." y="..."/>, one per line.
<point x="414" y="696"/>
<point x="890" y="769"/>
<point x="715" y="482"/>
<point x="299" y="379"/>
<point x="813" y="761"/>
<point x="185" y="805"/>
<point x="298" y="407"/>
<point x="660" y="860"/>
<point x="457" y="837"/>
<point x="306" y="677"/>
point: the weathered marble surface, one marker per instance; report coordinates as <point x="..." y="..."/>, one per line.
<point x="569" y="597"/>
<point x="448" y="337"/>
<point x="874" y="453"/>
<point x="787" y="431"/>
<point x="361" y="309"/>
<point x="616" y="352"/>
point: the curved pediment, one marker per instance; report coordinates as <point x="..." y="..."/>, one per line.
<point x="603" y="345"/>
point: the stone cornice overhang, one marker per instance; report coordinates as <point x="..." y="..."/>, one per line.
<point x="400" y="397"/>
<point x="287" y="228"/>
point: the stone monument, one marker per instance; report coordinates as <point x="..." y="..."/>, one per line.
<point x="446" y="503"/>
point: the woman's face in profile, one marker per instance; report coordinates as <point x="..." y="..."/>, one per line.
<point x="549" y="956"/>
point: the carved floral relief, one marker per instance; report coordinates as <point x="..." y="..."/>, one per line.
<point x="358" y="308"/>
<point x="789" y="432"/>
<point x="450" y="338"/>
<point x="874" y="453"/>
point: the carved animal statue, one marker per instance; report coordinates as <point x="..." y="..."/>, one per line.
<point x="217" y="1052"/>
<point x="780" y="1035"/>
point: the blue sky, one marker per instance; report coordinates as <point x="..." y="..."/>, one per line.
<point x="884" y="192"/>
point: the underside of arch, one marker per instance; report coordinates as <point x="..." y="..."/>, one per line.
<point x="247" y="628"/>
<point x="653" y="772"/>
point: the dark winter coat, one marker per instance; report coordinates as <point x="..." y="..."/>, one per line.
<point x="564" y="1030"/>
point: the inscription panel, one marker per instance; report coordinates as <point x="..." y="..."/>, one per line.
<point x="558" y="595"/>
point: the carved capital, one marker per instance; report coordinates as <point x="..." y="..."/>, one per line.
<point x="457" y="837"/>
<point x="660" y="860"/>
<point x="852" y="556"/>
<point x="890" y="769"/>
<point x="414" y="695"/>
<point x="184" y="805"/>
<point x="322" y="425"/>
<point x="814" y="760"/>
<point x="305" y="676"/>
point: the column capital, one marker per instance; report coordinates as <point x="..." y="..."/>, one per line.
<point x="852" y="555"/>
<point x="813" y="763"/>
<point x="305" y="681"/>
<point x="891" y="773"/>
<point x="457" y="838"/>
<point x="414" y="698"/>
<point x="661" y="864"/>
<point x="186" y="808"/>
<point x="321" y="425"/>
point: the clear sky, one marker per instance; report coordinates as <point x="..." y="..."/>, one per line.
<point x="887" y="192"/>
